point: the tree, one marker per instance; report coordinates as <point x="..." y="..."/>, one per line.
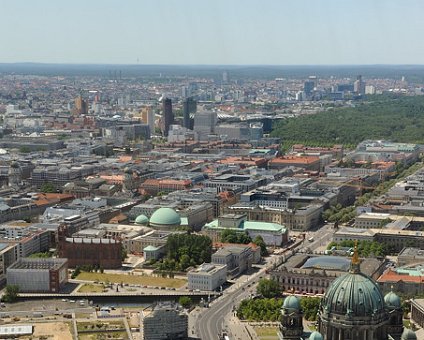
<point x="260" y="309"/>
<point x="185" y="301"/>
<point x="123" y="254"/>
<point x="230" y="235"/>
<point x="76" y="272"/>
<point x="185" y="250"/>
<point x="310" y="307"/>
<point x="48" y="188"/>
<point x="268" y="288"/>
<point x="11" y="293"/>
<point x="259" y="241"/>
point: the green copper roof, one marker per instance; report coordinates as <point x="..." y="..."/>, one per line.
<point x="392" y="300"/>
<point x="353" y="294"/>
<point x="291" y="302"/>
<point x="141" y="219"/>
<point x="316" y="336"/>
<point x="165" y="216"/>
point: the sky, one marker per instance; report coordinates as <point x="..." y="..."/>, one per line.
<point x="212" y="32"/>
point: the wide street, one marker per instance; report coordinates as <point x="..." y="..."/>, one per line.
<point x="321" y="238"/>
<point x="209" y="322"/>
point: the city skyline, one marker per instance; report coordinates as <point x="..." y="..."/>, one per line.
<point x="212" y="33"/>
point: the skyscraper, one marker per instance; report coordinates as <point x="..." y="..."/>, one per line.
<point x="167" y="115"/>
<point x="189" y="106"/>
<point x="148" y="117"/>
<point x="308" y="87"/>
<point x="81" y="106"/>
<point x="359" y="85"/>
<point x="204" y="124"/>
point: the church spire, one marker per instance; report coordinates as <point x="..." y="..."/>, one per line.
<point x="354" y="266"/>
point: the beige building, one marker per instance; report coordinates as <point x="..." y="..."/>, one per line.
<point x="313" y="274"/>
<point x="207" y="277"/>
<point x="301" y="219"/>
<point x="395" y="239"/>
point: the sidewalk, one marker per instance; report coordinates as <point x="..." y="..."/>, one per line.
<point x="239" y="330"/>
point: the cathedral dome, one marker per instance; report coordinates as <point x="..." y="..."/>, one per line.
<point x="316" y="336"/>
<point x="392" y="300"/>
<point x="292" y="302"/>
<point x="353" y="294"/>
<point x="408" y="335"/>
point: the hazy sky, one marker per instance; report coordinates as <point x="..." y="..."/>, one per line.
<point x="212" y="31"/>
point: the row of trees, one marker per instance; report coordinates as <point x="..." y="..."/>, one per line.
<point x="233" y="236"/>
<point x="365" y="248"/>
<point x="266" y="309"/>
<point x="185" y="250"/>
<point x="399" y="119"/>
<point x="270" y="309"/>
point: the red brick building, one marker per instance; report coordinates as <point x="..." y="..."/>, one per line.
<point x="100" y="252"/>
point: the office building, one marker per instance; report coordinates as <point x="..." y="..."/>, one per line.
<point x="359" y="85"/>
<point x="308" y="87"/>
<point x="207" y="277"/>
<point x="237" y="258"/>
<point x="45" y="275"/>
<point x="81" y="106"/>
<point x="148" y="118"/>
<point x="204" y="124"/>
<point x="166" y="322"/>
<point x="189" y="107"/>
<point x="167" y="116"/>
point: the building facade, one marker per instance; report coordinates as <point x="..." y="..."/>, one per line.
<point x="207" y="277"/>
<point x="38" y="275"/>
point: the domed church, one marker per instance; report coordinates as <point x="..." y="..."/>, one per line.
<point x="353" y="307"/>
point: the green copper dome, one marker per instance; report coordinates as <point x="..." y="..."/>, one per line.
<point x="353" y="294"/>
<point x="165" y="217"/>
<point x="142" y="219"/>
<point x="291" y="302"/>
<point x="316" y="336"/>
<point x="392" y="300"/>
<point x="408" y="335"/>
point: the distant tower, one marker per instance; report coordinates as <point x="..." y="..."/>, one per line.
<point x="359" y="85"/>
<point x="167" y="116"/>
<point x="148" y="117"/>
<point x="225" y="77"/>
<point x="81" y="106"/>
<point x="308" y="87"/>
<point x="189" y="106"/>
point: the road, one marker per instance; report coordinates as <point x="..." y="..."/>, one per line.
<point x="209" y="323"/>
<point x="321" y="237"/>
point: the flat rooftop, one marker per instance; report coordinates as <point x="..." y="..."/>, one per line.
<point x="38" y="264"/>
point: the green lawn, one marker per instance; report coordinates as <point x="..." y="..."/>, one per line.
<point x="266" y="333"/>
<point x="152" y="281"/>
<point x="91" y="288"/>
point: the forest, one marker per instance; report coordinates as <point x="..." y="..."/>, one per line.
<point x="394" y="118"/>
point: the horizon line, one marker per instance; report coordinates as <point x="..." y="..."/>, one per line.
<point x="200" y="64"/>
